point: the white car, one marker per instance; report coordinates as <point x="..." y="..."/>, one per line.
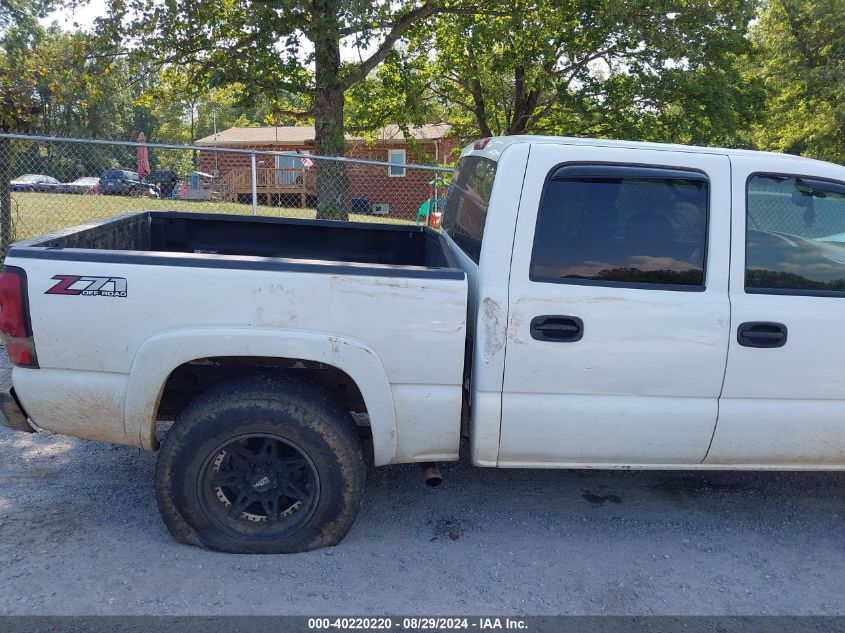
<point x="587" y="304"/>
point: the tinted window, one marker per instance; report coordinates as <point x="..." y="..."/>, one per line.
<point x="466" y="203"/>
<point x="795" y="234"/>
<point x="616" y="225"/>
<point x="112" y="173"/>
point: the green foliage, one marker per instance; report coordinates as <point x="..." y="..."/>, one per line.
<point x="800" y="53"/>
<point x="23" y="13"/>
<point x="331" y="211"/>
<point x="285" y="53"/>
<point x="18" y="106"/>
<point x="76" y="93"/>
<point x="664" y="70"/>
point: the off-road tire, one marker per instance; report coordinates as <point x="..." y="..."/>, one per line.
<point x="296" y="412"/>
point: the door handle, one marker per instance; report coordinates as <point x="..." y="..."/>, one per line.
<point x="557" y="329"/>
<point x="761" y="334"/>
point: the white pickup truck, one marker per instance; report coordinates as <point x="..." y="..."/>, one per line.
<point x="587" y="304"/>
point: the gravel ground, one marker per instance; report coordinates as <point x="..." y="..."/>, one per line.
<point x="80" y="534"/>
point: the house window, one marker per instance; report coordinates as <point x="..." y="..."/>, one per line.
<point x="398" y="157"/>
<point x="290" y="167"/>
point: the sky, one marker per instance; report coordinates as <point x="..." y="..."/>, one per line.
<point x="83" y="15"/>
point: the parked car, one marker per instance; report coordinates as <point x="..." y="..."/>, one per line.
<point x="34" y="182"/>
<point x="587" y="304"/>
<point x="165" y="180"/>
<point x="122" y="182"/>
<point x="84" y="185"/>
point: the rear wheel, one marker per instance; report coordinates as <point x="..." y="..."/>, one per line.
<point x="261" y="465"/>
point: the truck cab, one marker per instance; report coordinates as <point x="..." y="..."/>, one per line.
<point x="648" y="305"/>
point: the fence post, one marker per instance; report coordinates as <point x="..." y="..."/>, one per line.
<point x="6" y="233"/>
<point x="254" y="184"/>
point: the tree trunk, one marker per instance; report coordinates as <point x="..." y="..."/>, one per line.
<point x="480" y="109"/>
<point x="525" y="103"/>
<point x="332" y="181"/>
<point x="479" y="106"/>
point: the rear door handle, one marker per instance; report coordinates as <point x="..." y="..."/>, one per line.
<point x="557" y="329"/>
<point x="761" y="334"/>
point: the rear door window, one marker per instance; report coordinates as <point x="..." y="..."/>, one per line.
<point x="466" y="203"/>
<point x="622" y="225"/>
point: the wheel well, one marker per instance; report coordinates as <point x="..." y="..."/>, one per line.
<point x="191" y="379"/>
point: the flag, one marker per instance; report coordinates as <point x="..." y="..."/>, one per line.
<point x="143" y="159"/>
<point x="306" y="162"/>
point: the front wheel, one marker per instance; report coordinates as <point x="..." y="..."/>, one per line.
<point x="261" y="465"/>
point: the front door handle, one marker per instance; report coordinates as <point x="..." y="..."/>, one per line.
<point x="761" y="334"/>
<point x="557" y="329"/>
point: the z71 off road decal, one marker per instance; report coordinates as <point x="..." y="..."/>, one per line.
<point x="88" y="286"/>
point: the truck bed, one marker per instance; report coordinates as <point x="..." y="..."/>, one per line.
<point x="208" y="239"/>
<point x="122" y="308"/>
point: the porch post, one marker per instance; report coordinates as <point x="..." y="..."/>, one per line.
<point x="254" y="184"/>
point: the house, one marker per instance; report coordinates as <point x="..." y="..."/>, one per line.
<point x="289" y="179"/>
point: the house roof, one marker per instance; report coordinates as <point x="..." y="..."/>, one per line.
<point x="302" y="134"/>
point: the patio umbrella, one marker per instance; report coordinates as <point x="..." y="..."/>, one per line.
<point x="143" y="164"/>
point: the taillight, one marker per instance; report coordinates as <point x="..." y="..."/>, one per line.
<point x="15" y="328"/>
<point x="481" y="144"/>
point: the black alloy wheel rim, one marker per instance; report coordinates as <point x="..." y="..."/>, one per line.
<point x="258" y="485"/>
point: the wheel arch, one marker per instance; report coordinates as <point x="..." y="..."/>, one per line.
<point x="160" y="356"/>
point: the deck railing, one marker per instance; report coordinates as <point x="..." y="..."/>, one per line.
<point x="236" y="184"/>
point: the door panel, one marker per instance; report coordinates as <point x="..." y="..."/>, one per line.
<point x="640" y="382"/>
<point x="785" y="405"/>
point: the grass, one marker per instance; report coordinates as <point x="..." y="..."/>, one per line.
<point x="39" y="213"/>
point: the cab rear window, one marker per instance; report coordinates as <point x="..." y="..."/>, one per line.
<point x="795" y="235"/>
<point x="466" y="203"/>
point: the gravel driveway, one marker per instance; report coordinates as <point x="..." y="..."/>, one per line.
<point x="80" y="534"/>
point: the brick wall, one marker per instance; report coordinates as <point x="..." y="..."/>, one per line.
<point x="226" y="161"/>
<point x="404" y="194"/>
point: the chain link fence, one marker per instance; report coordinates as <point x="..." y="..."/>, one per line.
<point x="782" y="208"/>
<point x="50" y="183"/>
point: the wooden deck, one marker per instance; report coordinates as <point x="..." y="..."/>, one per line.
<point x="298" y="183"/>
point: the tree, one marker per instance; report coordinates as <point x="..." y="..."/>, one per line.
<point x="18" y="109"/>
<point x="640" y="69"/>
<point x="800" y="53"/>
<point x="270" y="47"/>
<point x="23" y="13"/>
